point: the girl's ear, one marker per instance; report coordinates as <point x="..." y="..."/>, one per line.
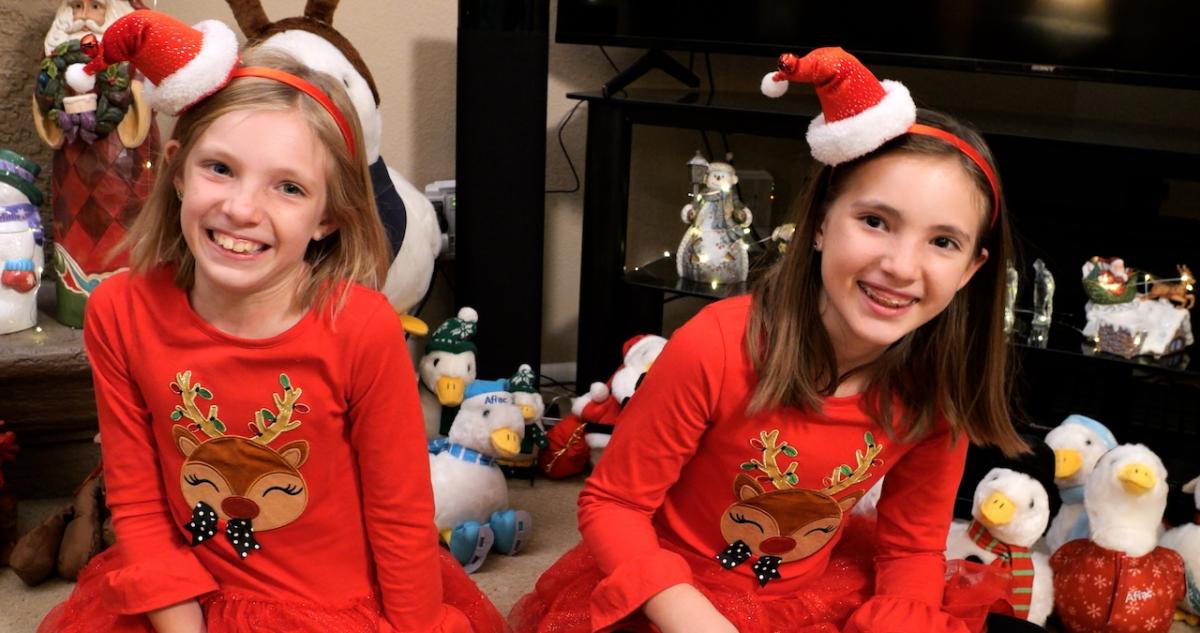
<point x="970" y="271"/>
<point x="326" y="228"/>
<point x="169" y="150"/>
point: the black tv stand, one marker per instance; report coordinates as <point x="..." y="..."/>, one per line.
<point x="653" y="59"/>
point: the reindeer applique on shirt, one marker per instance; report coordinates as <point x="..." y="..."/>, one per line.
<point x="787" y="523"/>
<point x="239" y="480"/>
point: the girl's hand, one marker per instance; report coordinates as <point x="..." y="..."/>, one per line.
<point x="683" y="608"/>
<point x="185" y="617"/>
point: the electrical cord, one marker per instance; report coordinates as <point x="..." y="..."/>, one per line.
<point x="566" y="154"/>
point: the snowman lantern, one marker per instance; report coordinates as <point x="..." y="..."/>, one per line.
<point x="713" y="250"/>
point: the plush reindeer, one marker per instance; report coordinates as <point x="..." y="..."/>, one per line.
<point x="240" y="480"/>
<point x="787" y="523"/>
<point x="408" y="216"/>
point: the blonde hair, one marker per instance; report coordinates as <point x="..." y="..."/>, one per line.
<point x="356" y="252"/>
<point x="957" y="365"/>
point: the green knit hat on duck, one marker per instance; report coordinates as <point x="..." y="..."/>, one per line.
<point x="454" y="334"/>
<point x="523" y="381"/>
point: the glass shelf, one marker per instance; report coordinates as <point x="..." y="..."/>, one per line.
<point x="1065" y="335"/>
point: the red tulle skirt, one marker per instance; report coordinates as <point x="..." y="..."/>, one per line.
<point x="560" y="601"/>
<point x="84" y="612"/>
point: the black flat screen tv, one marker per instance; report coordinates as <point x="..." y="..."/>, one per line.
<point x="1152" y="42"/>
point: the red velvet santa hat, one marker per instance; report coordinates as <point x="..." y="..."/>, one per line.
<point x="598" y="406"/>
<point x="859" y="112"/>
<point x="183" y="64"/>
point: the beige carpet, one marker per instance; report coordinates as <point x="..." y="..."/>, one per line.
<point x="503" y="578"/>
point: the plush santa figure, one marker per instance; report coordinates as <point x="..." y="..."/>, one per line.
<point x="602" y="404"/>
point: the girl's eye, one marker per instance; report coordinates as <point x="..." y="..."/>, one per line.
<point x="945" y="242"/>
<point x="873" y="221"/>
<point x="219" y="168"/>
<point x="292" y="189"/>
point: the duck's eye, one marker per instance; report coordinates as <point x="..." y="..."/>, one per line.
<point x="486" y="412"/>
<point x="435" y="361"/>
<point x="1031" y="504"/>
<point x="1088" y="442"/>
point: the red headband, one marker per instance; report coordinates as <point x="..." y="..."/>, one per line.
<point x="307" y="88"/>
<point x="965" y="148"/>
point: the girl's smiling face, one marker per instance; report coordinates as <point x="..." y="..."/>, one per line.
<point x="896" y="245"/>
<point x="253" y="191"/>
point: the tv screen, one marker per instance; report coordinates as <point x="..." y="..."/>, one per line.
<point x="1144" y="41"/>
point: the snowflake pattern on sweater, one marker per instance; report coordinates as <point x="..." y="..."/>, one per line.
<point x="1097" y="590"/>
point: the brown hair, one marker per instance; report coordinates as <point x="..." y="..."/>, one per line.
<point x="356" y="251"/>
<point x="960" y="357"/>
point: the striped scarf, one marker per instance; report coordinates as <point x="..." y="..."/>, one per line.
<point x="1014" y="558"/>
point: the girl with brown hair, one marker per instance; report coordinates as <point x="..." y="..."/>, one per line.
<point x="876" y="347"/>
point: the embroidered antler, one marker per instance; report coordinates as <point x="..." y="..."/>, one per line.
<point x="267" y="425"/>
<point x="843" y="477"/>
<point x="766" y="441"/>
<point x="210" y="424"/>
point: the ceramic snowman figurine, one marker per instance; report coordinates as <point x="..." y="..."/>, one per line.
<point x="21" y="255"/>
<point x="713" y="249"/>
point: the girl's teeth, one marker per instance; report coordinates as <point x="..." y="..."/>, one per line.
<point x="235" y="245"/>
<point x="886" y="301"/>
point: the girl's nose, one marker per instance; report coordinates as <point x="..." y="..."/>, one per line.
<point x="901" y="261"/>
<point x="243" y="206"/>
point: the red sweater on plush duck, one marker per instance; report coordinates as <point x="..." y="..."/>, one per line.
<point x="1120" y="580"/>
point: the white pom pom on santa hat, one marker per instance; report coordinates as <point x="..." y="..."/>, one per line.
<point x="598" y="392"/>
<point x="468" y="314"/>
<point x="772" y="87"/>
<point x="79" y="80"/>
<point x="858" y="112"/>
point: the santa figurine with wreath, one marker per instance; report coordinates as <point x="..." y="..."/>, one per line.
<point x="106" y="144"/>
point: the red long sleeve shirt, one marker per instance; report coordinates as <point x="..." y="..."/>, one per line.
<point x="342" y="502"/>
<point x="652" y="511"/>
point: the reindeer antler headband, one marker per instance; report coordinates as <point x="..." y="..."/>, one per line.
<point x="859" y="113"/>
<point x="183" y="65"/>
<point x="317" y="19"/>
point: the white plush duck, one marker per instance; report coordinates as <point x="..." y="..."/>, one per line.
<point x="1078" y="442"/>
<point x="1125" y="498"/>
<point x="446" y="370"/>
<point x="408" y="214"/>
<point x="1010" y="511"/>
<point x="1185" y="539"/>
<point x="470" y="495"/>
<point x="1119" y="580"/>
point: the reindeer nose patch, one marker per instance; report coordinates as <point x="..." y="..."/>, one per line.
<point x="776" y="545"/>
<point x="239" y="508"/>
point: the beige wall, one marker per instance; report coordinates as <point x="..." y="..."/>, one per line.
<point x="410" y="48"/>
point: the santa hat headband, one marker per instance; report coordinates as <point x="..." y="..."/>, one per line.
<point x="859" y="113"/>
<point x="184" y="64"/>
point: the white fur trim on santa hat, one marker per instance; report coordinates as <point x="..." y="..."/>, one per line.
<point x="772" y="88"/>
<point x="79" y="80"/>
<point x="203" y="75"/>
<point x="467" y="313"/>
<point x="840" y="141"/>
<point x="649" y="344"/>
